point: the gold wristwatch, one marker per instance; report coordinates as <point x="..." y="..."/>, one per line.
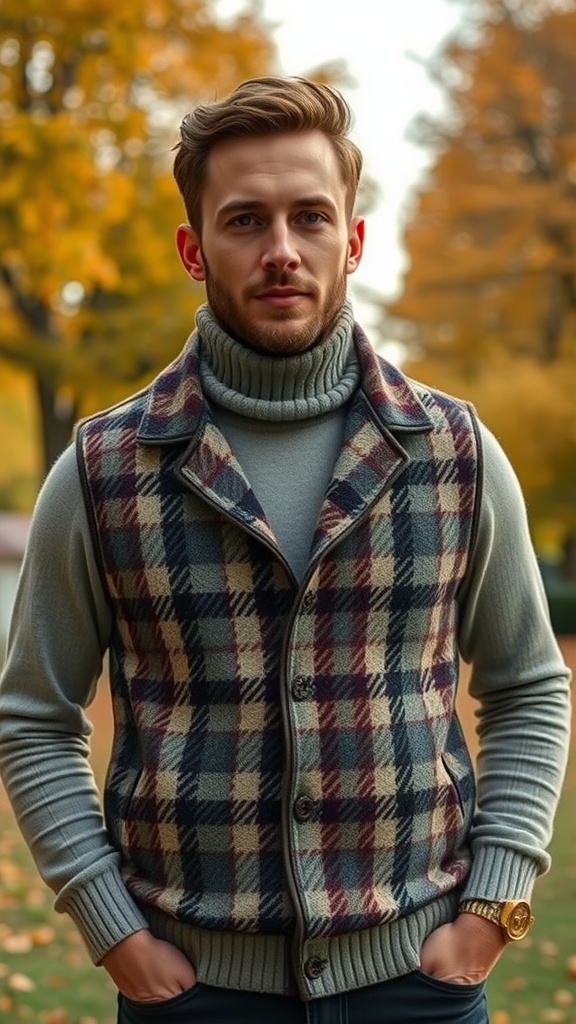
<point x="513" y="916"/>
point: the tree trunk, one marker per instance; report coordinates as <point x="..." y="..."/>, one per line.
<point x="568" y="565"/>
<point x="57" y="418"/>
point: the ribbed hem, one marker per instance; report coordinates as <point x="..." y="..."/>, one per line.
<point x="102" y="910"/>
<point x="270" y="963"/>
<point x="498" y="873"/>
<point x="278" y="388"/>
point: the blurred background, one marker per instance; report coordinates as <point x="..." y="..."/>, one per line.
<point x="465" y="112"/>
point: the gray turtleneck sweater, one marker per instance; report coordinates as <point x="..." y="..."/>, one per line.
<point x="283" y="418"/>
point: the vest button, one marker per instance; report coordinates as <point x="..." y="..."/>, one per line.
<point x="314" y="966"/>
<point x="308" y="601"/>
<point x="302" y="687"/>
<point x="303" y="809"/>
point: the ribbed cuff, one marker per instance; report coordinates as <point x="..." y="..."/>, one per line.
<point x="102" y="910"/>
<point x="498" y="873"/>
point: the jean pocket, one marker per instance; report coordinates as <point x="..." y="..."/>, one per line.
<point x="131" y="1012"/>
<point x="453" y="987"/>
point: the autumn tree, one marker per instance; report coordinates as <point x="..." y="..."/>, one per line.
<point x="487" y="306"/>
<point x="91" y="94"/>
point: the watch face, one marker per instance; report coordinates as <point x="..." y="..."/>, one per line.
<point x="518" y="920"/>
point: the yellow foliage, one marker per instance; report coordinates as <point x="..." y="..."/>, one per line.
<point x="19" y="465"/>
<point x="488" y="304"/>
<point x="92" y="297"/>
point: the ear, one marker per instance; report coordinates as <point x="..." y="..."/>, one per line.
<point x="190" y="252"/>
<point x="355" y="244"/>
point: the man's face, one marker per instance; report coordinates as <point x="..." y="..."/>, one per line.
<point x="276" y="243"/>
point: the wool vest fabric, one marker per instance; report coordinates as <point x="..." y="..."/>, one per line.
<point x="286" y="757"/>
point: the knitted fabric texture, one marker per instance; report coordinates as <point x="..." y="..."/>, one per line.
<point x="278" y="388"/>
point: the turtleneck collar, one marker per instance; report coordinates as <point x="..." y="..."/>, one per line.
<point x="277" y="387"/>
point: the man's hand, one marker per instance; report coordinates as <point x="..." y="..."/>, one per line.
<point x="463" y="952"/>
<point x="148" y="970"/>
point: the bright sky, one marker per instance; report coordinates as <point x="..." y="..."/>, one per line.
<point x="374" y="37"/>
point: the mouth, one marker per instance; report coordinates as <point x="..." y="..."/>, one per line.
<point x="281" y="296"/>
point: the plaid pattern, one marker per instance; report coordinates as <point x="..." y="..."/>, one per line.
<point x="269" y="739"/>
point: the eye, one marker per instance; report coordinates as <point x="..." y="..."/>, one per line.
<point x="243" y="220"/>
<point x="312" y="217"/>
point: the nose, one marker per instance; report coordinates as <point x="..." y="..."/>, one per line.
<point x="280" y="252"/>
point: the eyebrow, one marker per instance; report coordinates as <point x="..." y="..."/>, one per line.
<point x="247" y="205"/>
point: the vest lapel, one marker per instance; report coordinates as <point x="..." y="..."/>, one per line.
<point x="175" y="412"/>
<point x="369" y="462"/>
<point x="211" y="470"/>
<point x="372" y="457"/>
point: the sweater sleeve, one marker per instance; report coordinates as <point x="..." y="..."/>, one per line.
<point x="59" y="632"/>
<point x="522" y="686"/>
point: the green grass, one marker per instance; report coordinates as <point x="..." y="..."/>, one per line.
<point x="532" y="983"/>
<point x="45" y="973"/>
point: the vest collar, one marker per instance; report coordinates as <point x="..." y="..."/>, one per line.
<point x="175" y="406"/>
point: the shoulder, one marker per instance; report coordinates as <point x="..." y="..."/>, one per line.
<point x="433" y="398"/>
<point x="501" y="487"/>
<point x="404" y="403"/>
<point x="58" y="496"/>
<point x="59" y="517"/>
<point x="125" y="413"/>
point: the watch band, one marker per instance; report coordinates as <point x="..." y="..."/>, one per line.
<point x="489" y="909"/>
<point x="513" y="916"/>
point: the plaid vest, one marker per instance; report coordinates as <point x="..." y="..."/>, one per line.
<point x="285" y="757"/>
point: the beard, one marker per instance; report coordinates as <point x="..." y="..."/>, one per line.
<point x="278" y="335"/>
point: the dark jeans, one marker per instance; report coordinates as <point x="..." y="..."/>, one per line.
<point x="412" y="999"/>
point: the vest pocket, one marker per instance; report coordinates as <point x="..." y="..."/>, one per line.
<point x="460" y="777"/>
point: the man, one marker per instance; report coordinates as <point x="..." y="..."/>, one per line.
<point x="285" y="545"/>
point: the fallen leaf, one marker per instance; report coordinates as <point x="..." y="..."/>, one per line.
<point x="516" y="984"/>
<point x="54" y="1017"/>
<point x="73" y="958"/>
<point x="500" y="1017"/>
<point x="20" y="983"/>
<point x="43" y="935"/>
<point x="57" y="981"/>
<point x="547" y="948"/>
<point x="36" y="898"/>
<point x="562" y="997"/>
<point x="10" y="873"/>
<point x="16" y="943"/>
<point x="571" y="966"/>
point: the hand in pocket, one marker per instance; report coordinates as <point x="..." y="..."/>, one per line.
<point x="148" y="970"/>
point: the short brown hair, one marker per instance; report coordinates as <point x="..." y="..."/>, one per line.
<point x="263" y="106"/>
